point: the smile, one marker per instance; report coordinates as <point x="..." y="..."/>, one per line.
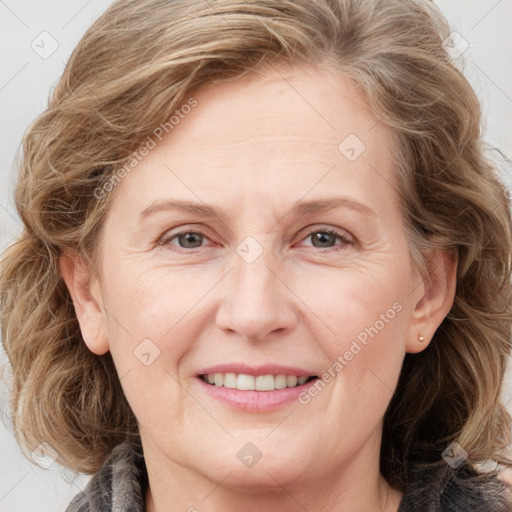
<point x="245" y="382"/>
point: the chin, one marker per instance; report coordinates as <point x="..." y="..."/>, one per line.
<point x="258" y="479"/>
<point x="251" y="470"/>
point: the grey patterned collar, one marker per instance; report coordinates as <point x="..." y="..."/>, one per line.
<point x="121" y="486"/>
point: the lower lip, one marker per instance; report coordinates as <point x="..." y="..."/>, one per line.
<point x="255" y="401"/>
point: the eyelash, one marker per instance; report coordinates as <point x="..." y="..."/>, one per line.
<point x="166" y="239"/>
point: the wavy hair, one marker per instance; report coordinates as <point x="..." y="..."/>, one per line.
<point x="130" y="72"/>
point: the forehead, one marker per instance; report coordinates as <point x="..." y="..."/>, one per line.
<point x="289" y="130"/>
<point x="282" y="108"/>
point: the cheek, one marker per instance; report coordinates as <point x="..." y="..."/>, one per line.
<point x="150" y="302"/>
<point x="357" y="305"/>
<point x="154" y="317"/>
<point x="364" y="315"/>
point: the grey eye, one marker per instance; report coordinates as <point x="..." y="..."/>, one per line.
<point x="323" y="239"/>
<point x="190" y="240"/>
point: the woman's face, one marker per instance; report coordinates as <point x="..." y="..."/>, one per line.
<point x="295" y="265"/>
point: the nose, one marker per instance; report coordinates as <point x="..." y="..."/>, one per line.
<point x="257" y="303"/>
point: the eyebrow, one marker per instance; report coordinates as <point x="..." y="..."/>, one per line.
<point x="199" y="209"/>
<point x="300" y="208"/>
<point x="322" y="205"/>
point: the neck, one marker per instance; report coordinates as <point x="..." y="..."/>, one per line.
<point x="357" y="486"/>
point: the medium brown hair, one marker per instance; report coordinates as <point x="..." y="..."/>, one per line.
<point x="130" y="72"/>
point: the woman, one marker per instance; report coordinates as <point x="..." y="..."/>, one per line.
<point x="265" y="264"/>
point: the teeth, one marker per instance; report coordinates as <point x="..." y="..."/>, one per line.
<point x="230" y="380"/>
<point x="265" y="383"/>
<point x="291" y="381"/>
<point x="246" y="382"/>
<point x="280" y="382"/>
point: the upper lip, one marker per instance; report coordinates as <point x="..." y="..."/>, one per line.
<point x="264" y="369"/>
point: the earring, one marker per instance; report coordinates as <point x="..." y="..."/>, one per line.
<point x="421" y="338"/>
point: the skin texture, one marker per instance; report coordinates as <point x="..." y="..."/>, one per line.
<point x="252" y="148"/>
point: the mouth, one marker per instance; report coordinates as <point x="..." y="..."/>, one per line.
<point x="247" y="382"/>
<point x="254" y="389"/>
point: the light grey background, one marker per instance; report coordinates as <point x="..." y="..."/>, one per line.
<point x="29" y="32"/>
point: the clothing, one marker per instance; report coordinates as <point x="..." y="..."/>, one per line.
<point x="121" y="486"/>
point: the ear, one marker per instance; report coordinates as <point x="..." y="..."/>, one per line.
<point x="78" y="277"/>
<point x="434" y="298"/>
